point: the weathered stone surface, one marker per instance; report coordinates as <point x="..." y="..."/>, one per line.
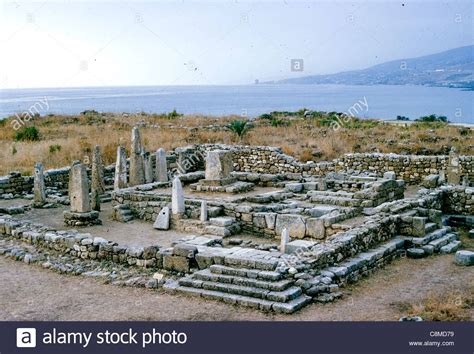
<point x="162" y="221"/>
<point x="294" y="223"/>
<point x="218" y="164"/>
<point x="38" y="186"/>
<point x="177" y="197"/>
<point x="315" y="228"/>
<point x="148" y="162"/>
<point x="415" y="253"/>
<point x="390" y="175"/>
<point x="464" y="258"/>
<point x="79" y="189"/>
<point x="97" y="173"/>
<point x="203" y="214"/>
<point x="161" y="168"/>
<point x="137" y="171"/>
<point x="120" y="177"/>
<point x="185" y="250"/>
<point x="284" y="239"/>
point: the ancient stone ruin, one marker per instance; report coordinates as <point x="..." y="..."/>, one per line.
<point x="250" y="225"/>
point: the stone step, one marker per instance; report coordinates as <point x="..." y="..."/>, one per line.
<point x="436" y="234"/>
<point x="278" y="296"/>
<point x="244" y="272"/>
<point x="332" y="200"/>
<point x="367" y="258"/>
<point x="261" y="304"/>
<point x="430" y="227"/>
<point x="218" y="230"/>
<point x="222" y="221"/>
<point x="250" y="262"/>
<point x="208" y="275"/>
<point x="440" y="242"/>
<point x="451" y="247"/>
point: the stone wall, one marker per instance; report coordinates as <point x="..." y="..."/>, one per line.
<point x="458" y="200"/>
<point x="271" y="160"/>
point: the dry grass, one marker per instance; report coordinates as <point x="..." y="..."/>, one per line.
<point x="304" y="139"/>
<point x="455" y="306"/>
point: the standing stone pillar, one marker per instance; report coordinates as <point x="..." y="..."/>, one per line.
<point x="148" y="160"/>
<point x="454" y="168"/>
<point x="285" y="238"/>
<point x="80" y="214"/>
<point x="120" y="177"/>
<point x="161" y="168"/>
<point x="137" y="173"/>
<point x="38" y="187"/>
<point x="177" y="198"/>
<point x="97" y="176"/>
<point x="97" y="179"/>
<point x="203" y="217"/>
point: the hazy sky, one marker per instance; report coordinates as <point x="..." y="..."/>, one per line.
<point x="105" y="43"/>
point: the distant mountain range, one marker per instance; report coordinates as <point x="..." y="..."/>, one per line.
<point x="452" y="68"/>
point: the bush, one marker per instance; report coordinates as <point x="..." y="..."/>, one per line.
<point x="239" y="127"/>
<point x="266" y="116"/>
<point x="402" y="118"/>
<point x="173" y="114"/>
<point x="433" y="118"/>
<point x="275" y="122"/>
<point x="54" y="148"/>
<point x="27" y="134"/>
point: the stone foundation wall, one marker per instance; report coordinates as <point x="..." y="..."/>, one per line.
<point x="458" y="200"/>
<point x="271" y="160"/>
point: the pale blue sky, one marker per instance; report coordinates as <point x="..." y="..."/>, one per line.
<point x="91" y="43"/>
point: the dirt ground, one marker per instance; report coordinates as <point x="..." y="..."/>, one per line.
<point x="28" y="292"/>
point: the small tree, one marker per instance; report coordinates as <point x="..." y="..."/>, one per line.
<point x="27" y="134"/>
<point x="240" y="127"/>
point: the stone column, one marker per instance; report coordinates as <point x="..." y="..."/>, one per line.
<point x="148" y="160"/>
<point x="177" y="198"/>
<point x="454" y="168"/>
<point x="285" y="238"/>
<point x="97" y="175"/>
<point x="203" y="211"/>
<point x="161" y="168"/>
<point x="79" y="189"/>
<point x="120" y="177"/>
<point x="137" y="173"/>
<point x="39" y="189"/>
<point x="81" y="213"/>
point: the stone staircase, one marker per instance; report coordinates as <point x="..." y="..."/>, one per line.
<point x="245" y="277"/>
<point x="122" y="213"/>
<point x="223" y="226"/>
<point x="258" y="288"/>
<point x="340" y="198"/>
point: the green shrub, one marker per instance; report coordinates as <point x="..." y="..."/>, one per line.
<point x="239" y="127"/>
<point x="433" y="118"/>
<point x="402" y="118"/>
<point x="54" y="148"/>
<point x="27" y="134"/>
<point x="266" y="116"/>
<point x="173" y="114"/>
<point x="275" y="122"/>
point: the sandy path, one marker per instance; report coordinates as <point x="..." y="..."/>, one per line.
<point x="28" y="292"/>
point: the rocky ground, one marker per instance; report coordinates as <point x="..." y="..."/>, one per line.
<point x="29" y="292"/>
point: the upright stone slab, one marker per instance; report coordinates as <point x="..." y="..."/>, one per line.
<point x="285" y="238"/>
<point x="162" y="221"/>
<point x="454" y="167"/>
<point x="177" y="198"/>
<point x="120" y="177"/>
<point x="203" y="217"/>
<point x="161" y="168"/>
<point x="219" y="165"/>
<point x="97" y="173"/>
<point x="137" y="171"/>
<point x="149" y="175"/>
<point x="79" y="189"/>
<point x="81" y="213"/>
<point x="39" y="189"/>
